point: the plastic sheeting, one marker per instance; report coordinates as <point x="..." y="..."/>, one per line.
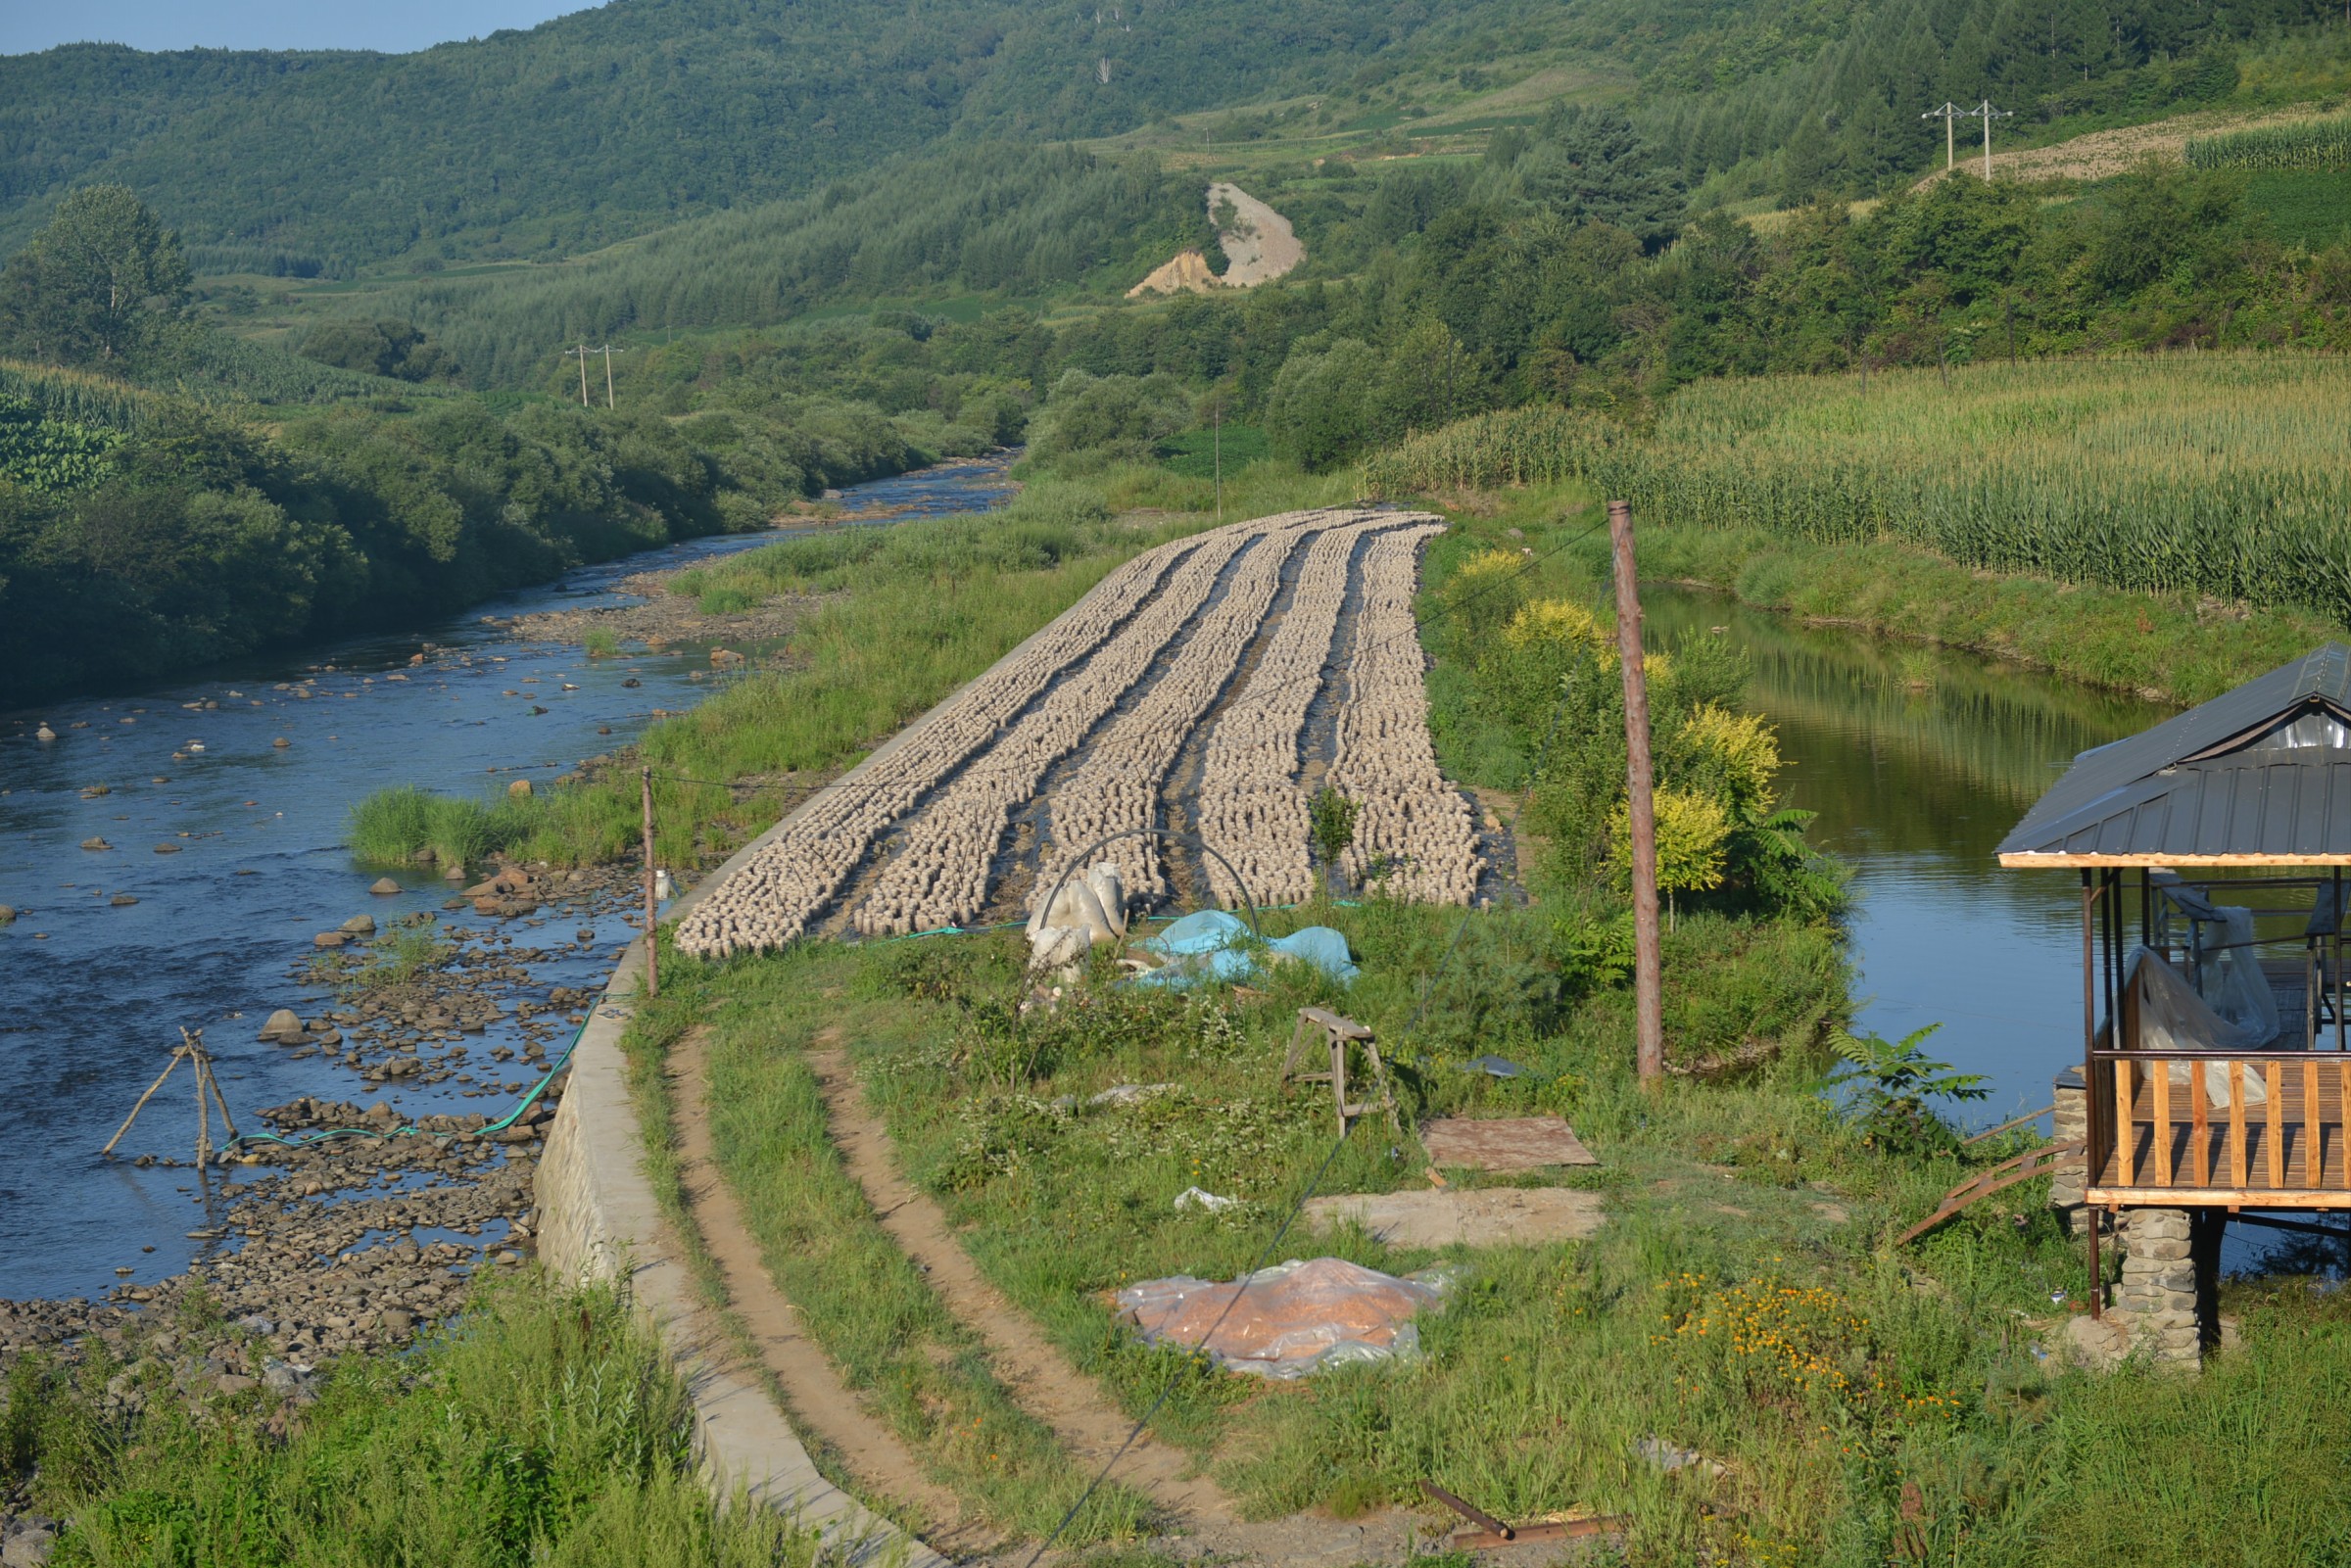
<point x="1212" y="947"/>
<point x="2172" y="1017"/>
<point x="1290" y="1320"/>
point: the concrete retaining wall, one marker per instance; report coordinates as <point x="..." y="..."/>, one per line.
<point x="597" y="1221"/>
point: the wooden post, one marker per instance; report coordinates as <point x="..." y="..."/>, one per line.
<point x="1216" y="442"/>
<point x="652" y="908"/>
<point x="177" y="1052"/>
<point x="583" y="353"/>
<point x="608" y="402"/>
<point x="204" y="1116"/>
<point x="1649" y="993"/>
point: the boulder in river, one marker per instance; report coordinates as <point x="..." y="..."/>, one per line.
<point x="122" y="901"/>
<point x="44" y="733"/>
<point x="96" y="844"/>
<point x="281" y="743"/>
<point x="329" y="940"/>
<point x="168" y="850"/>
<point x="8" y="914"/>
<point x="360" y="925"/>
<point x="281" y="1027"/>
<point x="521" y="789"/>
<point x="383" y="886"/>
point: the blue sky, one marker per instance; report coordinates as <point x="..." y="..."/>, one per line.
<point x="31" y="24"/>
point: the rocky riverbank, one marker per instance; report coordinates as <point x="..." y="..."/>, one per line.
<point x="319" y="1247"/>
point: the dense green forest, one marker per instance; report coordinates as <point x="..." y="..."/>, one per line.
<point x="617" y="120"/>
<point x="145" y="531"/>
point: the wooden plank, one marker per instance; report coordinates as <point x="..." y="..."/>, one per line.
<point x="2210" y="1197"/>
<point x="2236" y="1123"/>
<point x="2027" y="861"/>
<point x="2273" y="1141"/>
<point x="2313" y="1124"/>
<point x="2126" y="1130"/>
<point x="2200" y="1164"/>
<point x="2343" y="1136"/>
<point x="2159" y="1084"/>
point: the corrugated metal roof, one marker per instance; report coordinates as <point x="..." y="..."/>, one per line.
<point x="2261" y="774"/>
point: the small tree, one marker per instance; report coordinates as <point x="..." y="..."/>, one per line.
<point x="94" y="284"/>
<point x="1332" y="819"/>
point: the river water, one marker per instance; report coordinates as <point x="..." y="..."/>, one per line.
<point x="93" y="995"/>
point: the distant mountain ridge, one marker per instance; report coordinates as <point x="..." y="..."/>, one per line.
<point x="607" y="122"/>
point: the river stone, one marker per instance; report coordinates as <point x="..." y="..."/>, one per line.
<point x="167" y="849"/>
<point x="281" y="744"/>
<point x="122" y="901"/>
<point x="8" y="914"/>
<point x="281" y="1025"/>
<point x="359" y="926"/>
<point x="521" y="789"/>
<point x="236" y="1382"/>
<point x="396" y="1320"/>
<point x="383" y="886"/>
<point x="329" y="940"/>
<point x="44" y="733"/>
<point x="96" y="844"/>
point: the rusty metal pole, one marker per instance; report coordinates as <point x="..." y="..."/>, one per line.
<point x="652" y="973"/>
<point x="2095" y="1124"/>
<point x="1649" y="993"/>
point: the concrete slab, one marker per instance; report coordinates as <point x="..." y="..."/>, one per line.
<point x="1495" y="1216"/>
<point x="1504" y="1143"/>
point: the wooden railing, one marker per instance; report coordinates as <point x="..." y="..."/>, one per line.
<point x="2278" y="1146"/>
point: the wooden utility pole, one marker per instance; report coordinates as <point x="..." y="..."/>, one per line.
<point x="1987" y="114"/>
<point x="1649" y="992"/>
<point x="607" y="350"/>
<point x="1951" y="115"/>
<point x="1215" y="446"/>
<point x="653" y="906"/>
<point x="581" y="354"/>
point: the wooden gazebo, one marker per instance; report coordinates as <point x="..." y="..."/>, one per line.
<point x="2211" y="850"/>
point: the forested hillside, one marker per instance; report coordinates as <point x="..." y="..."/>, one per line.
<point x="613" y="121"/>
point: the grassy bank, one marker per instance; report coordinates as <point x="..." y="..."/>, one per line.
<point x="864" y="1302"/>
<point x="540" y="1428"/>
<point x="1736" y="1303"/>
<point x="2173" y="647"/>
<point x="2213" y="474"/>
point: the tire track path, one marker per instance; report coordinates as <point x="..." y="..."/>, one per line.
<point x="824" y="1407"/>
<point x="1039" y="1378"/>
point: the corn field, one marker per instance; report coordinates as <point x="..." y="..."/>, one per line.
<point x="2300" y="145"/>
<point x="2213" y="474"/>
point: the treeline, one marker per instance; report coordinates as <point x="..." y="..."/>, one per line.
<point x="620" y="118"/>
<point x="1482" y="290"/>
<point x="191" y="535"/>
<point x="143" y="532"/>
<point x="995" y="219"/>
<point x="1815" y="101"/>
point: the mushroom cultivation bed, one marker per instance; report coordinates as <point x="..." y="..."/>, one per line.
<point x="1089" y="718"/>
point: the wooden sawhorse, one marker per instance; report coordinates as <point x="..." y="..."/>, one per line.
<point x="1341" y="1033"/>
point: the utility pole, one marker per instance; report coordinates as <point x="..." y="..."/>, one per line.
<point x="1949" y="114"/>
<point x="607" y="350"/>
<point x="1987" y="114"/>
<point x="581" y="354"/>
<point x="652" y="904"/>
<point x="1649" y="991"/>
<point x="1215" y="446"/>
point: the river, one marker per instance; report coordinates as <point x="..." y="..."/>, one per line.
<point x="93" y="994"/>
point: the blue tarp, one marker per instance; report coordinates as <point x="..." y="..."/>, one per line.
<point x="1211" y="947"/>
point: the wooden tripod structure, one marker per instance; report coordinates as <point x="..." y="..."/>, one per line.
<point x="190" y="1049"/>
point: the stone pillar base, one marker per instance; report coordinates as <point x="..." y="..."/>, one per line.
<point x="2069" y="1175"/>
<point x="2170" y="1273"/>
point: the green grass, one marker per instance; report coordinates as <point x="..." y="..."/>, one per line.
<point x="1194" y="453"/>
<point x="402" y="823"/>
<point x="2318" y="144"/>
<point x="541" y="1428"/>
